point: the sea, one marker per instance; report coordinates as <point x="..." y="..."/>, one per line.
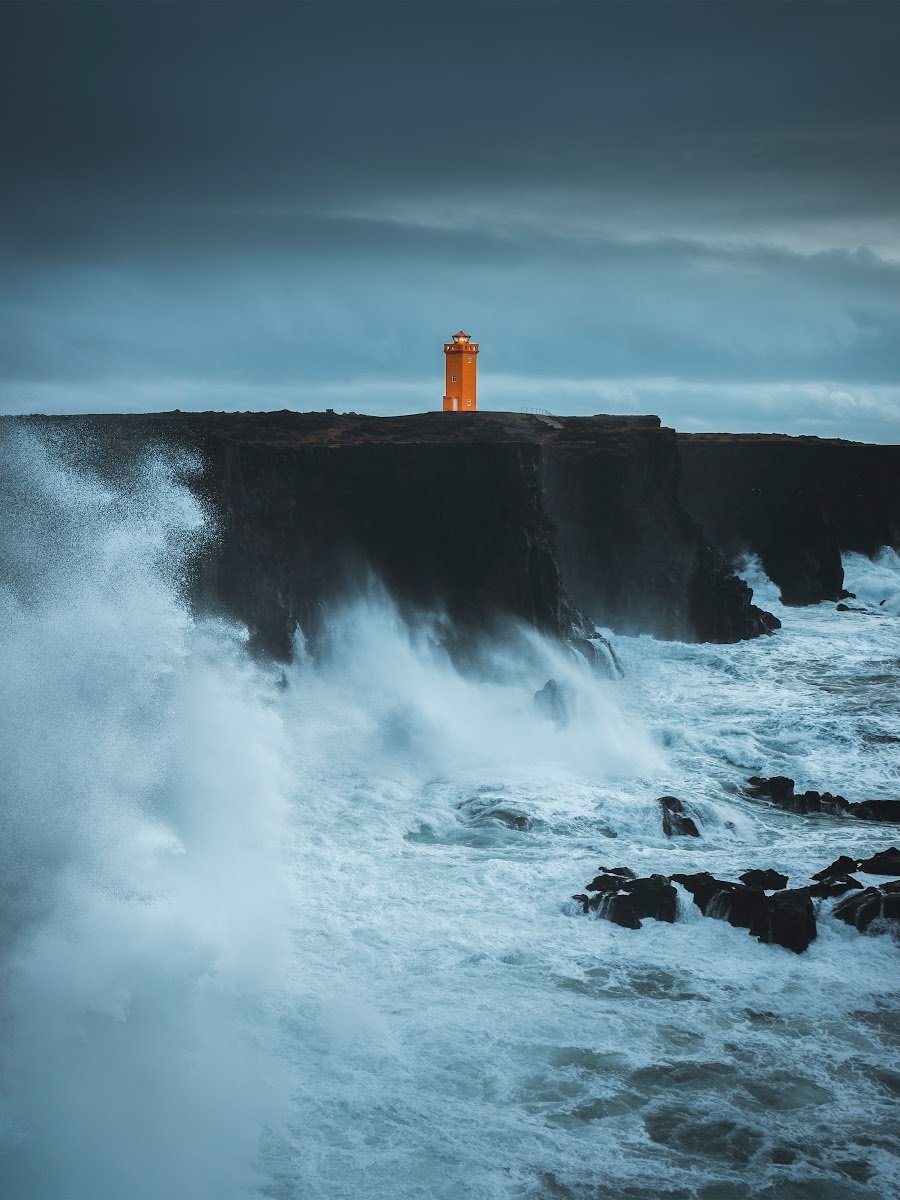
<point x="306" y="931"/>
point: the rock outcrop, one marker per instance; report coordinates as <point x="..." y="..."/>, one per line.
<point x="675" y="818"/>
<point x="761" y="902"/>
<point x="779" y="791"/>
<point x="796" y="502"/>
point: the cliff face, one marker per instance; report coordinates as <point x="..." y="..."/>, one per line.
<point x="484" y="516"/>
<point x="795" y="502"/>
<point x="448" y="527"/>
<point x="629" y="553"/>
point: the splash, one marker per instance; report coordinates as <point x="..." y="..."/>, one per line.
<point x="145" y="826"/>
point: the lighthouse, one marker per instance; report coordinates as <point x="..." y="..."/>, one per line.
<point x="459" y="392"/>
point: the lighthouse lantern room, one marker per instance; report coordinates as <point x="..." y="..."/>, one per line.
<point x="461" y="354"/>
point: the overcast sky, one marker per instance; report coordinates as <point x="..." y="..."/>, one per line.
<point x="689" y="209"/>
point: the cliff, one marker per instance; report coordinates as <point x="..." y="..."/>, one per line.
<point x="796" y="502"/>
<point x="486" y="516"/>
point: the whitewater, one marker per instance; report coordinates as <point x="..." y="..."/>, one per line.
<point x="306" y="930"/>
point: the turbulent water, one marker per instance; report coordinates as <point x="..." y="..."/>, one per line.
<point x="308" y="932"/>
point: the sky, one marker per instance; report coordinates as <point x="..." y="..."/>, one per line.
<point x="691" y="209"/>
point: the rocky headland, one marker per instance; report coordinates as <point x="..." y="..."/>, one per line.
<point x="556" y="522"/>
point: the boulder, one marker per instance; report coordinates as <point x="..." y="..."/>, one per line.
<point x="833" y="885"/>
<point x="862" y="908"/>
<point x="766" y="881"/>
<point x="780" y="790"/>
<point x="625" y="901"/>
<point x="625" y="872"/>
<point x="785" y="919"/>
<point x="605" y="883"/>
<point x="887" y="862"/>
<point x="653" y="897"/>
<point x="676" y="822"/>
<point x="877" y="810"/>
<point x="840" y="867"/>
<point x="788" y="920"/>
<point x="701" y="885"/>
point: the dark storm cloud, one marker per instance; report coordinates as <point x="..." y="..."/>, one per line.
<point x="255" y="204"/>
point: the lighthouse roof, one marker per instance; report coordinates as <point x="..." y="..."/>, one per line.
<point x="462" y="336"/>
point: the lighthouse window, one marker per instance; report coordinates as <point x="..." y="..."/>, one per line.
<point x="468" y="404"/>
<point x="453" y="379"/>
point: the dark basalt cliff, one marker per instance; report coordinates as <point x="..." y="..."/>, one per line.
<point x="483" y="516"/>
<point x="796" y="502"/>
<point x="629" y="553"/>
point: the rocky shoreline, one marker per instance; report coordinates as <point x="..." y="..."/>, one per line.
<point x="758" y="902"/>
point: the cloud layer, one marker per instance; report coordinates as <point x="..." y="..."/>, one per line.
<point x="684" y="208"/>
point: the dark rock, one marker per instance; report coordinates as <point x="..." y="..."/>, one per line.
<point x="780" y="790"/>
<point x="887" y="862"/>
<point x="835" y="885"/>
<point x="803" y="804"/>
<point x="887" y="811"/>
<point x="840" y="867"/>
<point x="732" y="902"/>
<point x="628" y="552"/>
<point x="787" y="919"/>
<point x="605" y="883"/>
<point x="615" y="907"/>
<point x="741" y="906"/>
<point x="843" y="608"/>
<point x="550" y="518"/>
<point x="767" y="881"/>
<point x="795" y="502"/>
<point x="625" y="901"/>
<point x="835" y="806"/>
<point x="862" y="908"/>
<point x="701" y="885"/>
<point x="676" y="822"/>
<point x="845" y="595"/>
<point x="653" y="897"/>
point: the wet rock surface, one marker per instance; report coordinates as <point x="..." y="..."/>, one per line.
<point x="626" y="901"/>
<point x="760" y="903"/>
<point x="675" y="819"/>
<point x="871" y="904"/>
<point x="779" y="790"/>
<point x="766" y="881"/>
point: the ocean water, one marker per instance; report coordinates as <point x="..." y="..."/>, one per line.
<point x="307" y="932"/>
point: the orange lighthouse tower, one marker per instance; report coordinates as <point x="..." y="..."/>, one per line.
<point x="461" y="355"/>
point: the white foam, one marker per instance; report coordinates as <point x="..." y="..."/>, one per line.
<point x="144" y="888"/>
